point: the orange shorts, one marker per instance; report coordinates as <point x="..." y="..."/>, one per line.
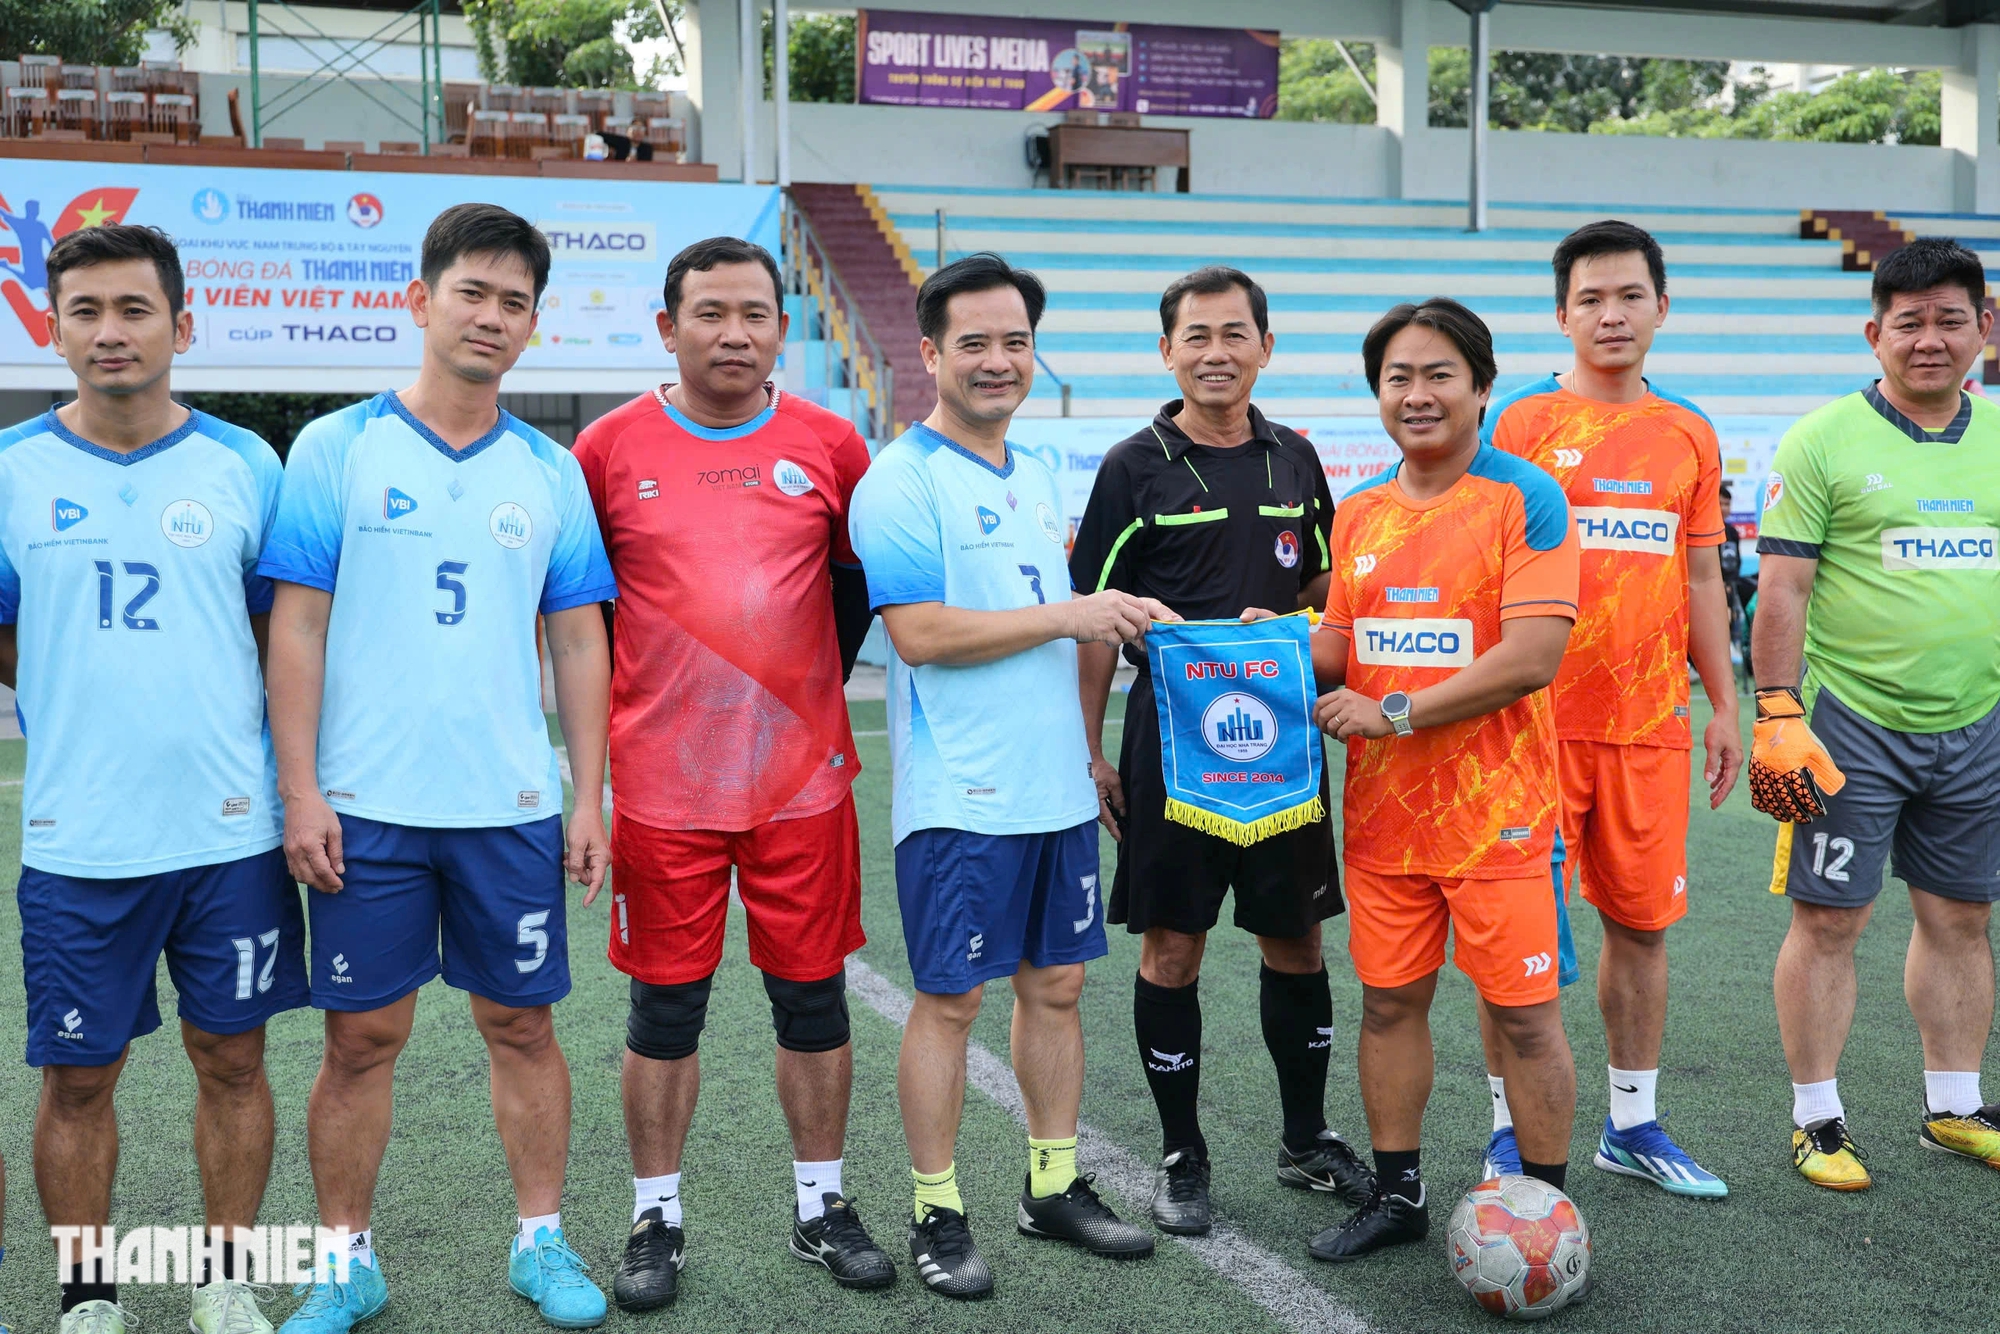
<point x="1505" y="932"/>
<point x="1625" y="824"/>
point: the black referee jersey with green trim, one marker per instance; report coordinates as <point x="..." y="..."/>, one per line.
<point x="1206" y="531"/>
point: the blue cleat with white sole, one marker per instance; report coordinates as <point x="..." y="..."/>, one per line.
<point x="335" y="1308"/>
<point x="552" y="1276"/>
<point x="1646" y="1151"/>
<point x="1503" y="1156"/>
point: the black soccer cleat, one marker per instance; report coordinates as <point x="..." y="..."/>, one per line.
<point x="649" y="1273"/>
<point x="1383" y="1220"/>
<point x="837" y="1240"/>
<point x="1330" y="1165"/>
<point x="1180" y="1196"/>
<point x="1078" y="1215"/>
<point x="947" y="1261"/>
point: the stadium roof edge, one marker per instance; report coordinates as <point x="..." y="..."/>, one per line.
<point x="1922" y="13"/>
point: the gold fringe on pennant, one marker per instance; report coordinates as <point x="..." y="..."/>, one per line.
<point x="1237" y="831"/>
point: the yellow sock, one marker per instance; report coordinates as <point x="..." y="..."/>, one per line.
<point x="937" y="1190"/>
<point x="1051" y="1166"/>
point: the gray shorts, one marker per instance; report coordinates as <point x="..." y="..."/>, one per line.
<point x="1932" y="799"/>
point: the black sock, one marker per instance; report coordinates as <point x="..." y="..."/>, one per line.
<point x="1167" y="1021"/>
<point x="1556" y="1174"/>
<point x="1298" y="1029"/>
<point x="1398" y="1173"/>
<point x="76" y="1292"/>
<point x="208" y="1274"/>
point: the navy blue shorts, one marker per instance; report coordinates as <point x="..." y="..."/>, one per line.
<point x="233" y="935"/>
<point x="976" y="905"/>
<point x="482" y="907"/>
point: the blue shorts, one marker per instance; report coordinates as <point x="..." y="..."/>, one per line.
<point x="482" y="907"/>
<point x="976" y="905"/>
<point x="233" y="935"/>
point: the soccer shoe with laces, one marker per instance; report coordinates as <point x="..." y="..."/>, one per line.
<point x="1827" y="1156"/>
<point x="229" y="1307"/>
<point x="1974" y="1135"/>
<point x="1384" y="1220"/>
<point x="1078" y="1215"/>
<point x="95" y="1318"/>
<point x="1180" y="1196"/>
<point x="1503" y="1156"/>
<point x="649" y="1273"/>
<point x="946" y="1259"/>
<point x="1330" y="1165"/>
<point x="1646" y="1151"/>
<point x="335" y="1308"/>
<point x="552" y="1276"/>
<point x="837" y="1240"/>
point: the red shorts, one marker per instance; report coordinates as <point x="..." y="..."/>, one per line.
<point x="800" y="882"/>
<point x="1625" y="823"/>
<point x="1504" y="932"/>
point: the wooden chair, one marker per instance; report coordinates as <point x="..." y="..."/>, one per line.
<point x="173" y="114"/>
<point x="283" y="143"/>
<point x="344" y="146"/>
<point x="235" y="114"/>
<point x="400" y="147"/>
<point x="41" y="72"/>
<point x="526" y="131"/>
<point x="78" y="76"/>
<point x="568" y="130"/>
<point x="218" y="141"/>
<point x="486" y="133"/>
<point x="667" y="135"/>
<point x="547" y="101"/>
<point x="130" y="79"/>
<point x="460" y="99"/>
<point x="595" y="105"/>
<point x="76" y="109"/>
<point x="503" y="97"/>
<point x="30" y="110"/>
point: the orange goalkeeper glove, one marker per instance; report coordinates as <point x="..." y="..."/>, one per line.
<point x="1791" y="775"/>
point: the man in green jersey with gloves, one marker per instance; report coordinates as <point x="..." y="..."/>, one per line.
<point x="1879" y="621"/>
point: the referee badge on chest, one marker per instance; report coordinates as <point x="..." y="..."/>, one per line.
<point x="1287" y="548"/>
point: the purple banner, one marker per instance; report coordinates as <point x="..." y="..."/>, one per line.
<point x="1003" y="64"/>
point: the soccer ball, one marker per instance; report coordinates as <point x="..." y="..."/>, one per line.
<point x="1520" y="1247"/>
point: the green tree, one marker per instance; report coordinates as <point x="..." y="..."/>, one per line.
<point x="1533" y="90"/>
<point x="1860" y="107"/>
<point x="1314" y="83"/>
<point x="822" y="57"/>
<point x="561" y="43"/>
<point x="90" y="32"/>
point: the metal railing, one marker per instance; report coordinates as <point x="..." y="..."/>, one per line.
<point x="423" y="113"/>
<point x="1061" y="383"/>
<point x="871" y="381"/>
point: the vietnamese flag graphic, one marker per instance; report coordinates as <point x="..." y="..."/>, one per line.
<point x="23" y="263"/>
<point x="93" y="208"/>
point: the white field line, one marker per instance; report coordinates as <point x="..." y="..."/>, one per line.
<point x="1294" y="1300"/>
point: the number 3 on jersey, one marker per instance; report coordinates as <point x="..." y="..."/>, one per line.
<point x="106" y="596"/>
<point x="447" y="582"/>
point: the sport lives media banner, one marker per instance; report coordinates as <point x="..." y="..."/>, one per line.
<point x="1014" y="64"/>
<point x="310" y="268"/>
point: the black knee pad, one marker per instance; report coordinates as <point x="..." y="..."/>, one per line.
<point x="665" y="1023"/>
<point x="809" y="1016"/>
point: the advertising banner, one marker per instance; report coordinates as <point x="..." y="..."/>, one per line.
<point x="310" y="269"/>
<point x="1013" y="64"/>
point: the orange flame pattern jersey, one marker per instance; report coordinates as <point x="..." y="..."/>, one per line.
<point x="1644" y="484"/>
<point x="1420" y="589"/>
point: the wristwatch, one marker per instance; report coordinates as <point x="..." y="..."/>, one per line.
<point x="1396" y="708"/>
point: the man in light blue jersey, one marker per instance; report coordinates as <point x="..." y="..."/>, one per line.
<point x="420" y="535"/>
<point x="131" y="617"/>
<point x="995" y="812"/>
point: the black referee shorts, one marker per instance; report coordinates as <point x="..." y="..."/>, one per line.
<point x="1174" y="876"/>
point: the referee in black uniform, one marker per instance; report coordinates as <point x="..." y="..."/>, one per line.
<point x="1213" y="510"/>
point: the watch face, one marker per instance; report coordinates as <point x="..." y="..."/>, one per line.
<point x="1395" y="702"/>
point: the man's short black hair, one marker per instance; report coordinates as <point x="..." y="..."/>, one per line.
<point x="1927" y="262"/>
<point x="484" y="229"/>
<point x="1213" y="280"/>
<point x="1609" y="237"/>
<point x="717" y="250"/>
<point x="1466" y="331"/>
<point x="981" y="272"/>
<point x="116" y="241"/>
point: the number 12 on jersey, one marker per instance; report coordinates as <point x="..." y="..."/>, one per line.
<point x="129" y="616"/>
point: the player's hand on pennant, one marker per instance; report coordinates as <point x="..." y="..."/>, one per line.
<point x="312" y="843"/>
<point x="1158" y="610"/>
<point x="1258" y="614"/>
<point x="588" y="853"/>
<point x="1723" y="743"/>
<point x="1791" y="775"/>
<point x="1344" y="713"/>
<point x="1109" y="617"/>
<point x="1110" y="795"/>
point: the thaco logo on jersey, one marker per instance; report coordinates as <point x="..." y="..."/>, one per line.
<point x="1608" y="528"/>
<point x="66" y="514"/>
<point x="510" y="525"/>
<point x="187" y="523"/>
<point x="1940" y="548"/>
<point x="1392" y="641"/>
<point x="1238" y="727"/>
<point x="396" y="505"/>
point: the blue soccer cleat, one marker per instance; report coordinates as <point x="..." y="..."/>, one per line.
<point x="551" y="1275"/>
<point x="1648" y="1152"/>
<point x="1503" y="1156"/>
<point x="335" y="1308"/>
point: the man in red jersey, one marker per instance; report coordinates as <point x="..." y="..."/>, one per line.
<point x="725" y="504"/>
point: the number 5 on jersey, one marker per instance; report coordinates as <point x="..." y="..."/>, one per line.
<point x="447" y="582"/>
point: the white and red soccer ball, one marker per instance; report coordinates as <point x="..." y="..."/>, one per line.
<point x="1520" y="1247"/>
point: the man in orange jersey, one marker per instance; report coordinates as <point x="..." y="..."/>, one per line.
<point x="1643" y="474"/>
<point x="1453" y="592"/>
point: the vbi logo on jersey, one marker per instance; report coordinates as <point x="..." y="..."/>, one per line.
<point x="396" y="505"/>
<point x="988" y="520"/>
<point x="66" y="514"/>
<point x="1418" y="641"/>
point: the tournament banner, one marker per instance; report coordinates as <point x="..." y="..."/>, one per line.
<point x="1239" y="751"/>
<point x="311" y="268"/>
<point x="1016" y="64"/>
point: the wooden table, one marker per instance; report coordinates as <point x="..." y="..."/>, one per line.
<point x="1073" y="146"/>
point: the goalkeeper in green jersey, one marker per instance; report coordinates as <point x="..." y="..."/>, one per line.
<point x="1877" y="648"/>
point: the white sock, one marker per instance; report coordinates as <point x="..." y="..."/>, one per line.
<point x="1815" y="1102"/>
<point x="525" y="1239"/>
<point x="812" y="1180"/>
<point x="1503" y="1116"/>
<point x="662" y="1193"/>
<point x="361" y="1247"/>
<point x="1953" y="1091"/>
<point x="1632" y="1097"/>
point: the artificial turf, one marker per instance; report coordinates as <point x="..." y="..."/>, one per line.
<point x="1777" y="1255"/>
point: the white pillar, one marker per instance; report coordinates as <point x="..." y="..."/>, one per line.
<point x="750" y="103"/>
<point x="1403" y="96"/>
<point x="781" y="85"/>
<point x="1971" y="119"/>
<point x="715" y="81"/>
<point x="1478" y="112"/>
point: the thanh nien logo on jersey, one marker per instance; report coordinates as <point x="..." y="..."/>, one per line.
<point x="1239" y="728"/>
<point x="1287" y="548"/>
<point x="988" y="520"/>
<point x="66" y="514"/>
<point x="396" y="505"/>
<point x="187" y="523"/>
<point x="510" y="525"/>
<point x="790" y="478"/>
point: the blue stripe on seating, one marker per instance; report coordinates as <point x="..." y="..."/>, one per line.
<point x="1566" y="206"/>
<point x="1496" y="305"/>
<point x="1356" y="231"/>
<point x="1697" y="387"/>
<point x="1506" y="344"/>
<point x="1072" y="260"/>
